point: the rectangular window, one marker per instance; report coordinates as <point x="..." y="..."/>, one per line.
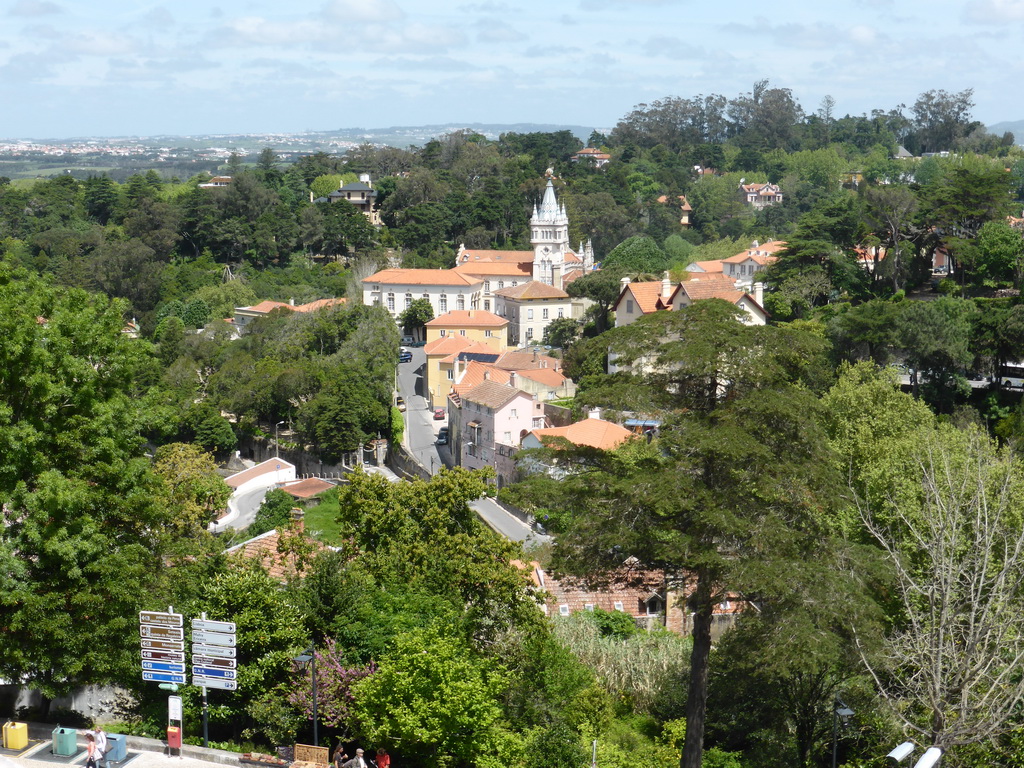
<point x="444" y="332"/>
<point x="515" y="413"/>
<point x="460" y="303"/>
<point x="391" y="303"/>
<point x="487" y="305"/>
<point x="462" y="332"/>
<point x="588" y="606"/>
<point x="563" y="610"/>
<point x="561" y="312"/>
<point x="487" y="285"/>
<point x="529" y="314"/>
<point x="442" y="304"/>
<point x="629" y="306"/>
<point x="451" y="374"/>
<point x="508" y="438"/>
<point x="529" y="333"/>
<point x="544" y="314"/>
<point x="618" y="605"/>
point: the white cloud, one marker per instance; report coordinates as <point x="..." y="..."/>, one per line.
<point x="33" y="8"/>
<point x="363" y="11"/>
<point x="994" y="11"/>
<point x="494" y="31"/>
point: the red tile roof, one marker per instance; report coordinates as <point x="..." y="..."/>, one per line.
<point x="263" y="468"/>
<point x="420" y="277"/>
<point x="596" y="433"/>
<point x="272" y="552"/>
<point x="647" y="296"/>
<point x="532" y="290"/>
<point x="483" y="255"/>
<point x="468" y="318"/>
<point x="495" y="269"/>
<point x="308" y="488"/>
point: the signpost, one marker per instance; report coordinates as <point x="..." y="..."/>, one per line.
<point x="213" y="659"/>
<point x="162" y="646"/>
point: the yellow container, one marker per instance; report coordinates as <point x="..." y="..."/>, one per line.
<point x="15" y="735"/>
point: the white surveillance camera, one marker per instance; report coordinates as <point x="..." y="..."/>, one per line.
<point x="930" y="758"/>
<point x="902" y="752"/>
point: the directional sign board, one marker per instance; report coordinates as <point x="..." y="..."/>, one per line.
<point x="178" y="656"/>
<point x="205" y="625"/>
<point x="215" y="682"/>
<point x="213" y="661"/>
<point x="162" y="619"/>
<point x="163" y="666"/>
<point x="163" y="677"/>
<point x="162" y="633"/>
<point x="221" y="651"/>
<point x="228" y="674"/>
<point x="163" y="645"/>
<point x="213" y="638"/>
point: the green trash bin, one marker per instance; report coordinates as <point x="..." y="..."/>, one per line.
<point x="65" y="741"/>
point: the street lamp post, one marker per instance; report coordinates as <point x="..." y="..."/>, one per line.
<point x="839" y="712"/>
<point x="308" y="658"/>
<point x="277" y="442"/>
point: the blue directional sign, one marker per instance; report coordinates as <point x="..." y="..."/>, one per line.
<point x="228" y="674"/>
<point x="163" y="666"/>
<point x="163" y="677"/>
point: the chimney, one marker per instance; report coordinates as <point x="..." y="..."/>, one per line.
<point x="759" y="293"/>
<point x="556" y="276"/>
<point x="624" y="281"/>
<point x="594" y="413"/>
<point x="666" y="286"/>
<point x="512" y="379"/>
<point x="487" y="375"/>
<point x="297" y="519"/>
<point x="536" y="353"/>
<point x="291" y="302"/>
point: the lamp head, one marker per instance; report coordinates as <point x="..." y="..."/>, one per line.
<point x="902" y="752"/>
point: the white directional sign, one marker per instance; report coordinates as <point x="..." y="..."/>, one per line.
<point x="161" y="632"/>
<point x="214" y="626"/>
<point x="215" y="682"/>
<point x="161" y="638"/>
<point x="213" y="638"/>
<point x="220" y="651"/>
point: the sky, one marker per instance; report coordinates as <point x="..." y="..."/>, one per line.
<point x="71" y="68"/>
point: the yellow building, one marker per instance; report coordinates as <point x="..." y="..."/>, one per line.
<point x="471" y="334"/>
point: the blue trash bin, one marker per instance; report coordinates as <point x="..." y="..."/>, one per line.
<point x="117" y="748"/>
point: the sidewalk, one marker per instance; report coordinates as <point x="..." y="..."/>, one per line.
<point x="141" y="753"/>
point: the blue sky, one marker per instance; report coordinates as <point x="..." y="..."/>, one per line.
<point x="116" y="68"/>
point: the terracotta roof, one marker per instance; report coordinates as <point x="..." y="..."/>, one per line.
<point x="697" y="290"/>
<point x="707" y="266"/>
<point x="596" y="433"/>
<point x="492" y="394"/>
<point x="521" y="360"/>
<point x="266" y="550"/>
<point x="718" y="277"/>
<point x="476" y="373"/>
<point x="266" y="307"/>
<point x="266" y="467"/>
<point x="647" y="296"/>
<point x="446" y="345"/>
<point x="308" y="488"/>
<point x="468" y="318"/>
<point x="483" y="256"/>
<point x="532" y="290"/>
<point x="494" y="269"/>
<point x="475" y="348"/>
<point x="420" y="277"/>
<point x="313" y="306"/>
<point x="549" y="377"/>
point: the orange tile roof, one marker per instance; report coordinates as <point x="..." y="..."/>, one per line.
<point x="468" y="318"/>
<point x="647" y="296"/>
<point x="709" y="266"/>
<point x="313" y="306"/>
<point x="760" y="253"/>
<point x="265" y="307"/>
<point x="308" y="488"/>
<point x="478" y="348"/>
<point x="496" y="269"/>
<point x="532" y="290"/>
<point x="521" y="360"/>
<point x="446" y="345"/>
<point x="420" y="277"/>
<point x="697" y="290"/>
<point x="718" y="277"/>
<point x="483" y="256"/>
<point x="476" y="373"/>
<point x="549" y="377"/>
<point x="492" y="394"/>
<point x="596" y="433"/>
<point x="266" y="549"/>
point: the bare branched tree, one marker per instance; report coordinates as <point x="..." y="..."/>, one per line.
<point x="951" y="668"/>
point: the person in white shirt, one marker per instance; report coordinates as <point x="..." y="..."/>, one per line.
<point x="357" y="761"/>
<point x="101" y="743"/>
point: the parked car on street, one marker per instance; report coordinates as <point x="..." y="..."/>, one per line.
<point x="439" y="414"/>
<point x="442" y="436"/>
<point x="405" y="357"/>
<point x="406" y="341"/>
<point x="400" y="403"/>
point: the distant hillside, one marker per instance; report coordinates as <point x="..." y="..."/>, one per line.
<point x="404" y="136"/>
<point x="1016" y="127"/>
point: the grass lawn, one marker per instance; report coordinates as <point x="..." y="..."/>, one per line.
<point x="321" y="520"/>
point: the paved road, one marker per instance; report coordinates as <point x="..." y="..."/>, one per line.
<point x="420" y="426"/>
<point x="509" y="526"/>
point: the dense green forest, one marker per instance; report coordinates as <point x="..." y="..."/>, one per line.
<point x="876" y="531"/>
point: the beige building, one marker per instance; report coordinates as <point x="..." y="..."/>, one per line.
<point x="445" y="289"/>
<point x="531" y="307"/>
